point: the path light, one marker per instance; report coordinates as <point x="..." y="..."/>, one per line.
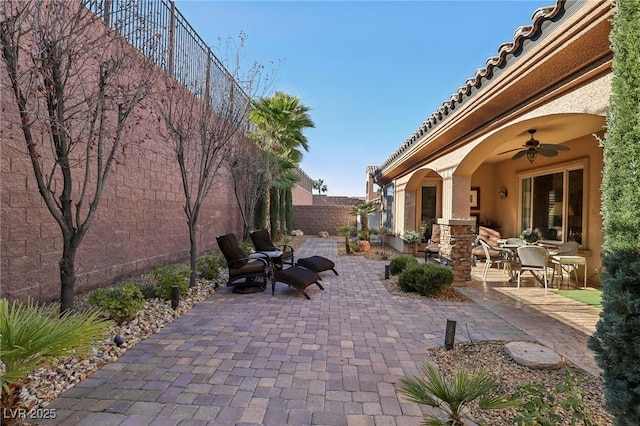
<point x="175" y="297"/>
<point x="450" y="335"/>
<point x="386" y="272"/>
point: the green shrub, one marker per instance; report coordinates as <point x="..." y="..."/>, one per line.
<point x="169" y="276"/>
<point x="543" y="406"/>
<point x="615" y="341"/>
<point x="364" y="235"/>
<point x="400" y="263"/>
<point x="149" y="290"/>
<point x="245" y="248"/>
<point x="425" y="278"/>
<point x="121" y="304"/>
<point x="209" y="266"/>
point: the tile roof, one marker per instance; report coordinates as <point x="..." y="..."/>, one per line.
<point x="522" y="34"/>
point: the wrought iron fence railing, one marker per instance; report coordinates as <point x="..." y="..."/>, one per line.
<point x="162" y="33"/>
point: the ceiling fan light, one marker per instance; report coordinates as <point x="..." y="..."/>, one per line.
<point x="531" y="156"/>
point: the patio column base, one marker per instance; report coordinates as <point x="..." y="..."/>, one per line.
<point x="456" y="242"/>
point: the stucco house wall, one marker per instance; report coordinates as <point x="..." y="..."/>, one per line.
<point x="554" y="77"/>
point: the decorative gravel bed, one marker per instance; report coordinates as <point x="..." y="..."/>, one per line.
<point x="508" y="374"/>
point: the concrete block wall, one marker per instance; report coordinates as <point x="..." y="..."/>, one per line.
<point x="139" y="223"/>
<point x="314" y="219"/>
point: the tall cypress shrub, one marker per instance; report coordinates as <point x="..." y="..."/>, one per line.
<point x="617" y="337"/>
<point x="260" y="215"/>
<point x="289" y="210"/>
<point x="274" y="213"/>
<point x="283" y="211"/>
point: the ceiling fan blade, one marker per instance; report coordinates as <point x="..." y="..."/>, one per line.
<point x="519" y="154"/>
<point x="509" y="150"/>
<point x="553" y="146"/>
<point x="547" y="152"/>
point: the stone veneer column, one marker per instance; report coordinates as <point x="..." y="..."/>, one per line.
<point x="456" y="242"/>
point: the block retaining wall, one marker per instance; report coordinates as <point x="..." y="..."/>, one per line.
<point x="313" y="219"/>
<point x="139" y="223"/>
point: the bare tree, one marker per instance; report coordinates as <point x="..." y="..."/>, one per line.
<point x="76" y="85"/>
<point x="251" y="170"/>
<point x="202" y="129"/>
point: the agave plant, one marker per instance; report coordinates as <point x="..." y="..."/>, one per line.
<point x="29" y="334"/>
<point x="454" y="396"/>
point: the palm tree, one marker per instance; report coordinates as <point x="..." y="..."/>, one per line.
<point x="320" y="186"/>
<point x="363" y="210"/>
<point x="454" y="396"/>
<point x="279" y="124"/>
<point x="280" y="121"/>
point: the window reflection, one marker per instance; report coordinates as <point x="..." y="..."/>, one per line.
<point x="553" y="204"/>
<point x="387" y="204"/>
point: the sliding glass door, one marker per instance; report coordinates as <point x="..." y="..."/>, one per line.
<point x="553" y="203"/>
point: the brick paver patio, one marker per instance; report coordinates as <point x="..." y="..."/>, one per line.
<point x="252" y="359"/>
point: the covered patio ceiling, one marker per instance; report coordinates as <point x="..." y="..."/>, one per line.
<point x="557" y="129"/>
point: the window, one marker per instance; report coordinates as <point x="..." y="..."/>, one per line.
<point x="552" y="201"/>
<point x="428" y="209"/>
<point x="387" y="206"/>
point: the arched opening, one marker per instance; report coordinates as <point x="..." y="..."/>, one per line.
<point x="423" y="201"/>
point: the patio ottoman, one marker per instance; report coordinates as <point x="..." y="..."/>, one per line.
<point x="317" y="264"/>
<point x="297" y="277"/>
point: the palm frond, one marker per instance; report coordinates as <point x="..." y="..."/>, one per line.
<point x="452" y="396"/>
<point x="30" y="333"/>
<point x="415" y="390"/>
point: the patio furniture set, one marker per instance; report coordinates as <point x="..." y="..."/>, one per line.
<point x="518" y="257"/>
<point x="538" y="259"/>
<point x="252" y="273"/>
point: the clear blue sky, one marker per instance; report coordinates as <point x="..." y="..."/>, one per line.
<point x="372" y="71"/>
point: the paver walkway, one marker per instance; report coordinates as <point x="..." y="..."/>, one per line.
<point x="250" y="359"/>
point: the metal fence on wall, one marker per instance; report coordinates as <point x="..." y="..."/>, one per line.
<point x="158" y="29"/>
<point x="305" y="181"/>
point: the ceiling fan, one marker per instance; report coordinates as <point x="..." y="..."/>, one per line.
<point x="533" y="147"/>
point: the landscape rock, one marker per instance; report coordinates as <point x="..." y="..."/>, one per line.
<point x="297" y="233"/>
<point x="364" y="246"/>
<point x="323" y="234"/>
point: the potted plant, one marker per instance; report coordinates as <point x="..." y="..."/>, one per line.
<point x="531" y="235"/>
<point x="412" y="239"/>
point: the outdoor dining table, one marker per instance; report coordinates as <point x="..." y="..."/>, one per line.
<point x="510" y="254"/>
